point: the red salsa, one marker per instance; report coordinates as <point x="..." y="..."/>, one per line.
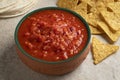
<point x="52" y="35"/>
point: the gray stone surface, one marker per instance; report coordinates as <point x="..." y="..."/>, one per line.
<point x="11" y="68"/>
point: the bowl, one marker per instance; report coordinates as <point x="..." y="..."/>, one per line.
<point x="67" y="60"/>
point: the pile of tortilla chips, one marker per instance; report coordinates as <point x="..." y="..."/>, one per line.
<point x="103" y="17"/>
<point x="12" y="8"/>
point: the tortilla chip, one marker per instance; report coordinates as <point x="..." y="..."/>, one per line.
<point x="111" y="19"/>
<point x="93" y="18"/>
<point x="115" y="7"/>
<point x="95" y="30"/>
<point x="67" y="3"/>
<point x="81" y="9"/>
<point x="113" y="36"/>
<point x="101" y="51"/>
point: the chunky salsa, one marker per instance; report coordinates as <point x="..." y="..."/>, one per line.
<point x="52" y="35"/>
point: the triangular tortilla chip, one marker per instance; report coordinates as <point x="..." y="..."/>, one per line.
<point x="101" y="51"/>
<point x="111" y="19"/>
<point x="112" y="35"/>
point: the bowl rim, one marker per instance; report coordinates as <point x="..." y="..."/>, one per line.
<point x="50" y="62"/>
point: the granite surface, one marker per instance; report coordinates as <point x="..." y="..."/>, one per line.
<point x="11" y="68"/>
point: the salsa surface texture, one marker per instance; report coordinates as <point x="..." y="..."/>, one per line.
<point x="52" y="35"/>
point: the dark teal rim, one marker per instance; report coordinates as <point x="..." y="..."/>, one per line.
<point x="51" y="8"/>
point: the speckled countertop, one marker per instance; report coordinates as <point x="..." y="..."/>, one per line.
<point x="11" y="68"/>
